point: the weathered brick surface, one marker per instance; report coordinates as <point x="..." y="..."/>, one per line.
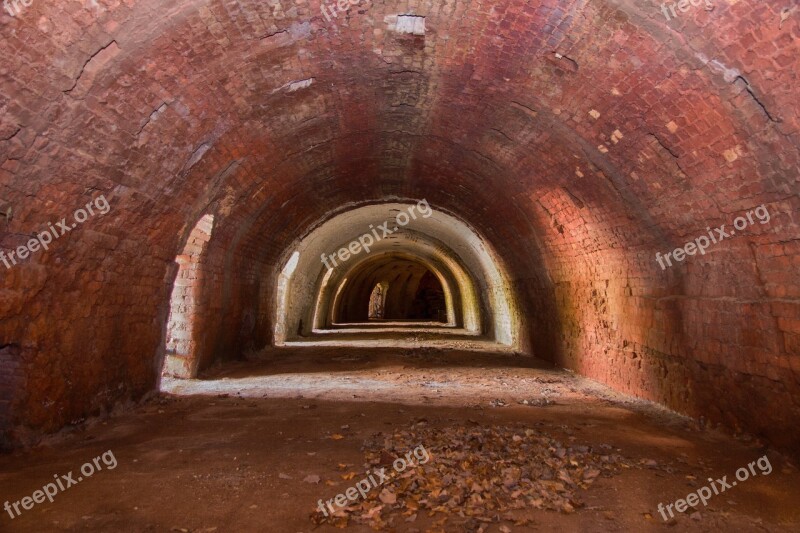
<point x="11" y="384"/>
<point x="580" y="138"/>
<point x="185" y="337"/>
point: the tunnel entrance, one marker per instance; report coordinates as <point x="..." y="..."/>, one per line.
<point x="182" y="350"/>
<point x="393" y="289"/>
<point x="429" y="280"/>
<point x="377" y="301"/>
<point x="429" y="302"/>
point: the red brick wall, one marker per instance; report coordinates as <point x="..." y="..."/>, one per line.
<point x="579" y="138"/>
<point x="11" y="384"/>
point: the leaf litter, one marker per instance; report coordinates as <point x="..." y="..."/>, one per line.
<point x="475" y="476"/>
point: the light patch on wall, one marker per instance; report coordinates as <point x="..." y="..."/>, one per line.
<point x="410" y="24"/>
<point x="283" y="301"/>
<point x="181" y="351"/>
<point x="197" y="155"/>
<point x="295" y="86"/>
<point x="291" y="265"/>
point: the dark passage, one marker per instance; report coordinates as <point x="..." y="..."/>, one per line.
<point x="392" y="288"/>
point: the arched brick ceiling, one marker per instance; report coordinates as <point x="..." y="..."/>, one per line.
<point x="579" y="138"/>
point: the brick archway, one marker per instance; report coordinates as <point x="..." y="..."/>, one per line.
<point x="183" y="337"/>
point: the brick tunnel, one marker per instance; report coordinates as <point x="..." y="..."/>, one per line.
<point x="245" y="243"/>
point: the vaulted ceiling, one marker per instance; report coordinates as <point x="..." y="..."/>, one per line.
<point x="579" y="138"/>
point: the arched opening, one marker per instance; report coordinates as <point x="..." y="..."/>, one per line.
<point x="182" y="339"/>
<point x="443" y="278"/>
<point x="429" y="301"/>
<point x="392" y="287"/>
<point x="403" y="273"/>
<point x="377" y="301"/>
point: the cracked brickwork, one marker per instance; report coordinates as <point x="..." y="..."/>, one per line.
<point x="578" y="138"/>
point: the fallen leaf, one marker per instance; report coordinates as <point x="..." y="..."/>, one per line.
<point x="388" y="497"/>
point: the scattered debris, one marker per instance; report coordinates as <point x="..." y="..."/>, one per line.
<point x="477" y="475"/>
<point x="538" y="402"/>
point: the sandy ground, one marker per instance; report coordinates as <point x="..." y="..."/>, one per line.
<point x="236" y="450"/>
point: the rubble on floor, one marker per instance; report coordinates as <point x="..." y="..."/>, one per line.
<point x="474" y="476"/>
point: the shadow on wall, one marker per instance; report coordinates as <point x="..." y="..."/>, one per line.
<point x="11" y="382"/>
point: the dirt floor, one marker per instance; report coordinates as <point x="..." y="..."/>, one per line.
<point x="512" y="445"/>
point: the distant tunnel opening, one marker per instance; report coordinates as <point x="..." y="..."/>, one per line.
<point x="431" y="280"/>
<point x="393" y="289"/>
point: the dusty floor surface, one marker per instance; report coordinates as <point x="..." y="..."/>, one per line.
<point x="255" y="445"/>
